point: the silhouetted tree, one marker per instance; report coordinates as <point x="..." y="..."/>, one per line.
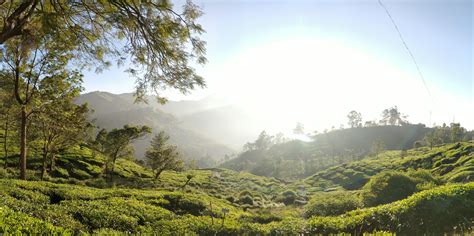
<point x="355" y="119"/>
<point x="392" y="116"/>
<point x="263" y="142"/>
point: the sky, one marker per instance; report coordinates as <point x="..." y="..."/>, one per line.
<point x="313" y="61"/>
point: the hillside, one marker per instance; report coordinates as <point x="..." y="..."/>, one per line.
<point x="451" y="163"/>
<point x="44" y="208"/>
<point x="296" y="159"/>
<point x="251" y="204"/>
<point x="114" y="111"/>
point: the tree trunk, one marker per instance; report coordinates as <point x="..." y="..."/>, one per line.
<point x="111" y="173"/>
<point x="45" y="157"/>
<point x="23" y="148"/>
<point x="51" y="163"/>
<point x="5" y="144"/>
<point x="158" y="173"/>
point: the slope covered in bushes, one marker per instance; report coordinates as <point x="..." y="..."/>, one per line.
<point x="46" y="208"/>
<point x="450" y="163"/>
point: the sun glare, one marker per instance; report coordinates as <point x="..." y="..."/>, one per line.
<point x="319" y="80"/>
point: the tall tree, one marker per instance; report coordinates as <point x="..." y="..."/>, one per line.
<point x="60" y="121"/>
<point x="157" y="40"/>
<point x="26" y="63"/>
<point x="392" y="116"/>
<point x="117" y="142"/>
<point x="355" y="119"/>
<point x="163" y="156"/>
<point x="7" y="115"/>
<point x="457" y="132"/>
<point x="433" y="138"/>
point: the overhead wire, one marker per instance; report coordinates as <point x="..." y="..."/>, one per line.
<point x="420" y="74"/>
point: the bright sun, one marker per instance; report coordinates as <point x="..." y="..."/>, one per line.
<point x="316" y="82"/>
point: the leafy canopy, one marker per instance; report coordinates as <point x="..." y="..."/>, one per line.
<point x="158" y="42"/>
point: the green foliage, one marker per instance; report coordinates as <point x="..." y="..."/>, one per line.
<point x="163" y="156"/>
<point x="448" y="163"/>
<point x="116" y="143"/>
<point x="332" y="204"/>
<point x="160" y="48"/>
<point x="436" y="211"/>
<point x="386" y="187"/>
<point x="296" y="159"/>
<point x="245" y="200"/>
<point x="167" y="207"/>
<point x="287" y="197"/>
<point x="17" y="223"/>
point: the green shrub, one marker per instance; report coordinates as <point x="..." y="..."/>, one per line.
<point x="16" y="223"/>
<point x="230" y="199"/>
<point x="181" y="204"/>
<point x="264" y="218"/>
<point x="332" y="204"/>
<point x="424" y="179"/>
<point x="288" y="197"/>
<point x="80" y="174"/>
<point x="4" y="173"/>
<point x="386" y="187"/>
<point x="245" y="199"/>
<point x="445" y="209"/>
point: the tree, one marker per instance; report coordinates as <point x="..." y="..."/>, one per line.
<point x="116" y="143"/>
<point x="355" y="119"/>
<point x="26" y="64"/>
<point x="392" y="116"/>
<point x="158" y="42"/>
<point x="263" y="142"/>
<point x="456" y="132"/>
<point x="60" y="121"/>
<point x="163" y="156"/>
<point x="370" y="124"/>
<point x="433" y="138"/>
<point x="299" y="129"/>
<point x="7" y="111"/>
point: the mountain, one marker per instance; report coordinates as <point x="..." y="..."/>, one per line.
<point x="114" y="111"/>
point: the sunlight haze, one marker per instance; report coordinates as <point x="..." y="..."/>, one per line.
<point x="316" y="67"/>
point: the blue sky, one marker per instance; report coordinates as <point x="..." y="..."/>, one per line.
<point x="347" y="47"/>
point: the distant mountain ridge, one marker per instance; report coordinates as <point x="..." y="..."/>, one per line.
<point x="114" y="111"/>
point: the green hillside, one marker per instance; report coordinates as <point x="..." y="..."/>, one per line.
<point x="262" y="205"/>
<point x="451" y="163"/>
<point x="35" y="207"/>
<point x="296" y="159"/>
